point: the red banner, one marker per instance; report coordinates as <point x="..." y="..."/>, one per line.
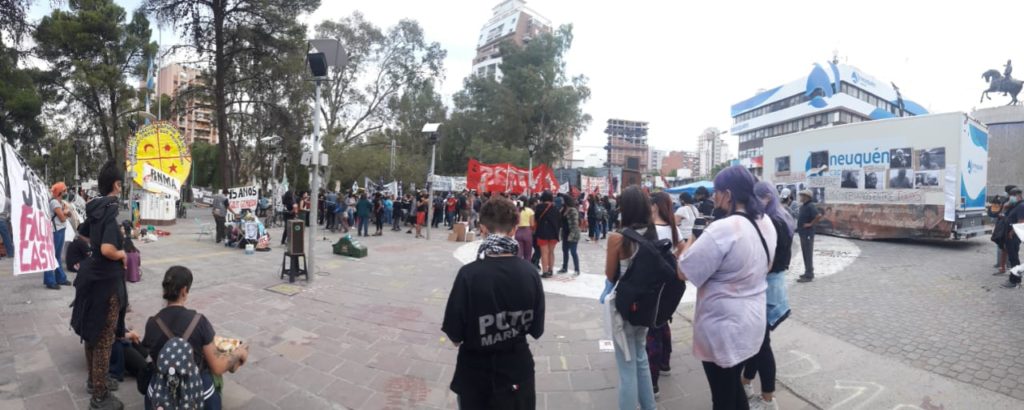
<point x="506" y="177"/>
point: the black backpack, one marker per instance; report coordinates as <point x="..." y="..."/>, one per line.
<point x="176" y="383"/>
<point x="650" y="290"/>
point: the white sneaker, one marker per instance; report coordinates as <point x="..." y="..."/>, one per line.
<point x="749" y="390"/>
<point x="759" y="403"/>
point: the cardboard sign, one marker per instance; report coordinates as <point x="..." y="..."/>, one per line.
<point x="246" y="197"/>
<point x="30" y="218"/>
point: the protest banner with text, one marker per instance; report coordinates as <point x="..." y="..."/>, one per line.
<point x="245" y="197"/>
<point x="30" y="218"/>
<point x="506" y="177"/>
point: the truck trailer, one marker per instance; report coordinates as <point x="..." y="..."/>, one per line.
<point x="919" y="177"/>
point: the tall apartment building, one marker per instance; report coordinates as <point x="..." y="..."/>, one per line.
<point x="680" y="160"/>
<point x="711" y="150"/>
<point x="831" y="94"/>
<point x="194" y="119"/>
<point x="627" y="148"/>
<point x="657" y="158"/>
<point x="511" y="20"/>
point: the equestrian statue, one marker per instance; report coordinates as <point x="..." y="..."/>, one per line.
<point x="1002" y="82"/>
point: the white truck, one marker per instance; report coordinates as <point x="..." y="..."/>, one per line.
<point x="911" y="177"/>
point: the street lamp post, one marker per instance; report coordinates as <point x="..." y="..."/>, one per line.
<point x="530" y="148"/>
<point x="329" y="53"/>
<point x="433" y="135"/>
<point x="46" y="166"/>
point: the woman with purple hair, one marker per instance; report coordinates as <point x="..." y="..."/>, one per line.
<point x="729" y="264"/>
<point x="778" y="305"/>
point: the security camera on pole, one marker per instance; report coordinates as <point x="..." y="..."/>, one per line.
<point x="431" y="130"/>
<point x="328" y="53"/>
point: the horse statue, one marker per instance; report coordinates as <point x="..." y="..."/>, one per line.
<point x="998" y="83"/>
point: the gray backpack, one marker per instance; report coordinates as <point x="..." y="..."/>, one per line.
<point x="176" y="383"/>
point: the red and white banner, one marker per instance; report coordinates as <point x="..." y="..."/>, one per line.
<point x="32" y="230"/>
<point x="506" y="177"/>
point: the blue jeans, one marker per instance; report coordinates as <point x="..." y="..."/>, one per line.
<point x="635" y="383"/>
<point x="388" y="214"/>
<point x="58" y="245"/>
<point x="5" y="233"/>
<point x="364" y="226"/>
<point x="569" y="248"/>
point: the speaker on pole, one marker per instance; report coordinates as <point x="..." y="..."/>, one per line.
<point x="297" y="237"/>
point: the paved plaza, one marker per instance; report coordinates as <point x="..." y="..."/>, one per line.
<point x="891" y="325"/>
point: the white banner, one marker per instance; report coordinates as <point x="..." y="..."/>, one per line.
<point x="32" y="230"/>
<point x="157" y="181"/>
<point x="445" y="184"/>
<point x="594" y="183"/>
<point x="245" y="197"/>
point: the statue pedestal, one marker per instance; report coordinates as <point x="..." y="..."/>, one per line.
<point x="1005" y="146"/>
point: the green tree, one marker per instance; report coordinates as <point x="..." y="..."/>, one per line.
<point x="204" y="164"/>
<point x="383" y="65"/>
<point x="93" y="49"/>
<point x="535" y="101"/>
<point x="215" y="29"/>
<point x="20" y="100"/>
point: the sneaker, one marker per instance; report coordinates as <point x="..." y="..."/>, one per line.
<point x="110" y="402"/>
<point x="759" y="403"/>
<point x="665" y="370"/>
<point x="749" y="392"/>
<point x="1010" y="285"/>
<point x="577" y="273"/>
<point x="111" y="385"/>
<point x="804" y="279"/>
<point x="54" y="287"/>
<point x="656" y="391"/>
<point x="547" y="275"/>
<point x="65" y="282"/>
<point x="563" y="270"/>
<point x="999" y="272"/>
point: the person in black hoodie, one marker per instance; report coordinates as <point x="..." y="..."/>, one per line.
<point x="100" y="294"/>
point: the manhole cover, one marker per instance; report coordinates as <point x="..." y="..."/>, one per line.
<point x="285" y="289"/>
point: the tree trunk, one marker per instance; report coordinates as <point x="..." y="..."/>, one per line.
<point x="220" y="103"/>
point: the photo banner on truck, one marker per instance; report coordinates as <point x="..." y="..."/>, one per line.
<point x="506" y="177"/>
<point x="245" y="197"/>
<point x="30" y="218"/>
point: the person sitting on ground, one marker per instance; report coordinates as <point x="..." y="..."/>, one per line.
<point x="494" y="303"/>
<point x="176" y="318"/>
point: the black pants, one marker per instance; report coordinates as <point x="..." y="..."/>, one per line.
<point x="1013" y="255"/>
<point x="523" y="398"/>
<point x="219" y="221"/>
<point x="379" y="221"/>
<point x="284" y="235"/>
<point x="726" y="388"/>
<point x="807" y="248"/>
<point x="763" y="362"/>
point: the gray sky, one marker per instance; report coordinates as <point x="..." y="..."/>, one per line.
<point x="680" y="65"/>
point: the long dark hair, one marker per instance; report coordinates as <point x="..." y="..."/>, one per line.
<point x="635" y="208"/>
<point x="664" y="204"/>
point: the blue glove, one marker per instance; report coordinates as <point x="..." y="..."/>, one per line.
<point x="608" y="285"/>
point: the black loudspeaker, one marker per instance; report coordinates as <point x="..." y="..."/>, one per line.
<point x="297" y="237"/>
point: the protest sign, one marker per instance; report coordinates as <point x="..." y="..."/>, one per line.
<point x="30" y="219"/>
<point x="157" y="181"/>
<point x="245" y="197"/>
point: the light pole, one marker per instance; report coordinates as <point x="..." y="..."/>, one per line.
<point x="530" y="147"/>
<point x="46" y="165"/>
<point x="329" y="53"/>
<point x="433" y="135"/>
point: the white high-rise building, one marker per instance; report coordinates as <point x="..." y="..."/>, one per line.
<point x="711" y="150"/>
<point x="511" y="20"/>
<point x="657" y="159"/>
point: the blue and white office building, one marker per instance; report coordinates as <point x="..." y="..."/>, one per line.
<point x="831" y="94"/>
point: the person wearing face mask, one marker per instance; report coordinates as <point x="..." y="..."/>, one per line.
<point x="807" y="218"/>
<point x="1014" y="215"/>
<point x="97" y="314"/>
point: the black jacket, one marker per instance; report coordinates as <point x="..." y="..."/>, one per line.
<point x="98" y="278"/>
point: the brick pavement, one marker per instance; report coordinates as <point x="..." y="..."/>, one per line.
<point x="364" y="335"/>
<point x="934" y="306"/>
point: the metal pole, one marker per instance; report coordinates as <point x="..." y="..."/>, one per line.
<point x="529" y="189"/>
<point x="430" y="194"/>
<point x="315" y="189"/>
